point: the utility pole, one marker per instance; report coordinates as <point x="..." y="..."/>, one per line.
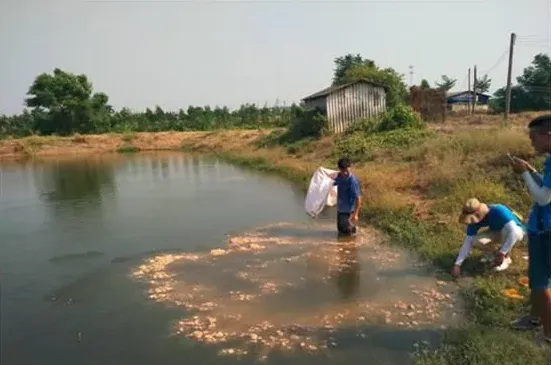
<point x="410" y="75"/>
<point x="509" y="71"/>
<point x="474" y="90"/>
<point x="469" y="82"/>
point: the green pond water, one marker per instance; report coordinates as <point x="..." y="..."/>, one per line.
<point x="74" y="232"/>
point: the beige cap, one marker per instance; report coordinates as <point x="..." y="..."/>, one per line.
<point x="468" y="213"/>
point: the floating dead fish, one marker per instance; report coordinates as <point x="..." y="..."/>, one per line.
<point x="245" y="315"/>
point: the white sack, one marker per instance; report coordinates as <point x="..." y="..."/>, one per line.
<point x="321" y="192"/>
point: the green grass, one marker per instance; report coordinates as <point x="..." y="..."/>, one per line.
<point x="367" y="146"/>
<point x="128" y="149"/>
<point x="482" y="345"/>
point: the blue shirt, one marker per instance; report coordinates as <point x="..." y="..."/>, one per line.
<point x="498" y="216"/>
<point x="542" y="213"/>
<point x="348" y="190"/>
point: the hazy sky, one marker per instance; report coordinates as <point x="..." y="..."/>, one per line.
<point x="181" y="53"/>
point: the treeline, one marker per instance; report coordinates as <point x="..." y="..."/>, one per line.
<point x="248" y="116"/>
<point x="532" y="91"/>
<point x="63" y="103"/>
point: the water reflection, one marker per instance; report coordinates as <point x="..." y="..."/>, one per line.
<point x="76" y="185"/>
<point x="348" y="270"/>
<point x="196" y="171"/>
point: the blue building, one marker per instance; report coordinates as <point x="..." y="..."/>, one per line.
<point x="458" y="101"/>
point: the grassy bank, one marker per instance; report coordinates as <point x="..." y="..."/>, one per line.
<point x="414" y="183"/>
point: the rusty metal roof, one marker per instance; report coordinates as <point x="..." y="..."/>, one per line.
<point x="332" y="89"/>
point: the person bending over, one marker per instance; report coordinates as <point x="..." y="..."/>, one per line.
<point x="503" y="226"/>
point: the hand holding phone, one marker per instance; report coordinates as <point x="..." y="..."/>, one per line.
<point x="519" y="165"/>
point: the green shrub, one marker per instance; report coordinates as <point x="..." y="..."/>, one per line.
<point x="366" y="125"/>
<point x="401" y="117"/>
<point x="363" y="147"/>
<point x="357" y="147"/>
<point x="306" y="124"/>
<point x="128" y="149"/>
<point x="271" y="139"/>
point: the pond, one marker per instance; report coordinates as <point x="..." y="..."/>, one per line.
<point x="168" y="258"/>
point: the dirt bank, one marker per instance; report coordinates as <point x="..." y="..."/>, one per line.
<point x="37" y="146"/>
<point x="225" y="140"/>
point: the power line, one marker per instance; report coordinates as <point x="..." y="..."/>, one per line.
<point x="538" y="45"/>
<point x="547" y="41"/>
<point x="533" y="36"/>
<point x="543" y="40"/>
<point x="535" y="39"/>
<point x="498" y="62"/>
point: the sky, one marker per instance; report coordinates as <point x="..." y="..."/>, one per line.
<point x="180" y="53"/>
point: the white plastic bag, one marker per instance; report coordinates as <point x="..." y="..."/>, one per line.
<point x="321" y="192"/>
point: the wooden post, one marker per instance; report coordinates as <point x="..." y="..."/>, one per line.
<point x="469" y="82"/>
<point x="474" y="90"/>
<point x="509" y="71"/>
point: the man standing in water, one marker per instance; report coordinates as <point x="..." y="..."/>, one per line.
<point x="348" y="198"/>
<point x="539" y="230"/>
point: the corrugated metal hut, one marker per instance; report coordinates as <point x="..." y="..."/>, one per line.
<point x="344" y="104"/>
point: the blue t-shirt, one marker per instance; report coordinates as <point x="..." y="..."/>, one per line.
<point x="498" y="216"/>
<point x="542" y="213"/>
<point x="348" y="190"/>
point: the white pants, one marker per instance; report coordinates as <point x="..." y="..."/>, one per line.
<point x="487" y="240"/>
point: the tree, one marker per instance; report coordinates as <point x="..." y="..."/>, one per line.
<point x="447" y="83"/>
<point x="482" y="85"/>
<point x="65" y="100"/>
<point x="536" y="82"/>
<point x="520" y="100"/>
<point x="425" y="84"/>
<point x="64" y="103"/>
<point x="390" y="79"/>
<point x="533" y="89"/>
<point x="102" y="113"/>
<point x="345" y="63"/>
